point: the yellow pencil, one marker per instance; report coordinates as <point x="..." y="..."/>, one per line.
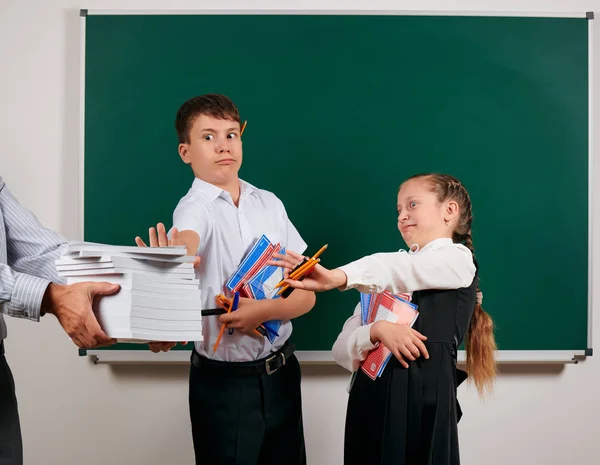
<point x="243" y="127"/>
<point x="313" y="259"/>
<point x="294" y="273"/>
<point x="321" y="250"/>
<point x="300" y="270"/>
<point x="303" y="271"/>
<point x="283" y="289"/>
<point x="313" y="263"/>
<point x="222" y="330"/>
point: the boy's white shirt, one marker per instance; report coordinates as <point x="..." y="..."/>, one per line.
<point x="226" y="234"/>
<point x="441" y="264"/>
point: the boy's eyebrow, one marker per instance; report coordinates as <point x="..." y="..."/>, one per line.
<point x="214" y="130"/>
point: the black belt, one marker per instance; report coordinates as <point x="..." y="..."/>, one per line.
<point x="267" y="365"/>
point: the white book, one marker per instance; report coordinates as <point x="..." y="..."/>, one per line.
<point x="119" y="270"/>
<point x="163" y="325"/>
<point x="157" y="314"/>
<point x="174" y="294"/>
<point x="91" y="254"/>
<point x="166" y="304"/>
<point x="126" y="262"/>
<point x="102" y="249"/>
<point x="116" y="327"/>
<point x="170" y="291"/>
<point x="133" y="280"/>
<point x="179" y="269"/>
<point x="169" y="336"/>
<point x="125" y="300"/>
<point x="122" y="335"/>
<point x="110" y="323"/>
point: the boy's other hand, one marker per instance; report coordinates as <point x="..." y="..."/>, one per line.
<point x="160" y="346"/>
<point x="248" y="316"/>
<point x="158" y="238"/>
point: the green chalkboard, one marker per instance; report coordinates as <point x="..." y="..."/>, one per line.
<point x="353" y="105"/>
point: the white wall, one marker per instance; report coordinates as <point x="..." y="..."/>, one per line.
<point x="73" y="412"/>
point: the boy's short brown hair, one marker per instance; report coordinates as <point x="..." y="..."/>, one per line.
<point x="215" y="105"/>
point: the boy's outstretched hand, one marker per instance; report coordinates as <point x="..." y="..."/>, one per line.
<point x="158" y="238"/>
<point x="319" y="279"/>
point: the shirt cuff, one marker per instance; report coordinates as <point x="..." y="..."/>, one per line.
<point x="27" y="295"/>
<point x="352" y="276"/>
<point x="363" y="339"/>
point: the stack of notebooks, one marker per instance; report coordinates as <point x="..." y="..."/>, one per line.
<point x="389" y="307"/>
<point x="159" y="299"/>
<point x="255" y="279"/>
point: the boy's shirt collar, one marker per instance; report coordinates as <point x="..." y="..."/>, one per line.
<point x="212" y="192"/>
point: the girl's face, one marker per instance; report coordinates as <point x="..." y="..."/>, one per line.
<point x="421" y="218"/>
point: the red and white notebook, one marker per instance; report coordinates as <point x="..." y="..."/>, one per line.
<point x="387" y="307"/>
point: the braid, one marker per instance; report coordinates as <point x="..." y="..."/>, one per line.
<point x="480" y="343"/>
<point x="468" y="241"/>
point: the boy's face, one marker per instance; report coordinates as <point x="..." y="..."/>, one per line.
<point x="214" y="151"/>
<point x="421" y="218"/>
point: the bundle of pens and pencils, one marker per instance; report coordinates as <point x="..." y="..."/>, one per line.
<point x="299" y="272"/>
<point x="229" y="305"/>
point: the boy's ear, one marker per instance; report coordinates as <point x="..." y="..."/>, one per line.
<point x="183" y="153"/>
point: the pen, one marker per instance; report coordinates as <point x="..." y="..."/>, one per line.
<point x="234" y="306"/>
<point x="222" y="300"/>
<point x="213" y="311"/>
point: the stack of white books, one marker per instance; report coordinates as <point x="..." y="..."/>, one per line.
<point x="159" y="299"/>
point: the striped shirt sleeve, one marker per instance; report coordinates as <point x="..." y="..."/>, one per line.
<point x="27" y="260"/>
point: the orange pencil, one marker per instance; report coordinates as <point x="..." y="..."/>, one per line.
<point x="243" y="127"/>
<point x="283" y="289"/>
<point x="223" y="301"/>
<point x="321" y="250"/>
<point x="305" y="269"/>
<point x="222" y="329"/>
<point x="294" y="272"/>
<point x="309" y="265"/>
<point x="301" y="272"/>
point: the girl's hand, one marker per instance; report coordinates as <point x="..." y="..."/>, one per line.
<point x="319" y="279"/>
<point x="403" y="341"/>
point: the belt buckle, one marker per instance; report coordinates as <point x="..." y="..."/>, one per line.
<point x="270" y="359"/>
